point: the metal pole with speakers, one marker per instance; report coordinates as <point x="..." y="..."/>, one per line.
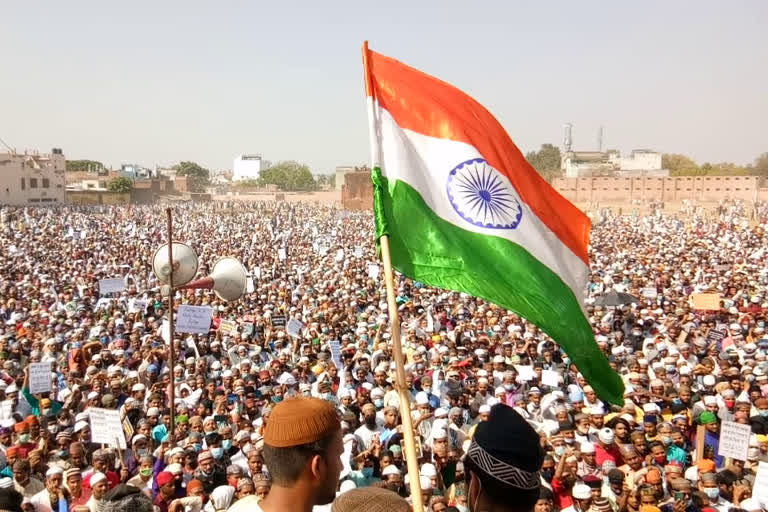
<point x="175" y="264"/>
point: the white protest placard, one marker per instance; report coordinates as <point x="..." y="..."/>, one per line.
<point x="760" y="487"/>
<point x="227" y="327"/>
<point x="6" y="409"/>
<point x="194" y="319"/>
<point x="734" y="440"/>
<point x="358" y="252"/>
<point x="525" y="372"/>
<point x="550" y="378"/>
<point x="40" y="378"/>
<point x="115" y="285"/>
<point x="165" y="331"/>
<point x="249" y="286"/>
<point x="373" y="270"/>
<point x="257" y="272"/>
<point x="106" y="427"/>
<point x="294" y="327"/>
<point x="650" y="293"/>
<point x="340" y="255"/>
<point x="336" y="353"/>
<point x="281" y="254"/>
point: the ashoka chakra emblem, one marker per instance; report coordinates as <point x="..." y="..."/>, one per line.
<point x="482" y="196"/>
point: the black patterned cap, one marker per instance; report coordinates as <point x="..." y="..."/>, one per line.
<point x="507" y="448"/>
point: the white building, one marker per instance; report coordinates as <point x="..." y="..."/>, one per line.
<point x="638" y="160"/>
<point x="641" y="162"/>
<point x="248" y="167"/>
<point x="32" y="178"/>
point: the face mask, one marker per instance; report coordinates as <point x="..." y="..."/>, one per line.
<point x="277" y="399"/>
<point x="712" y="492"/>
<point x="764" y="413"/>
<point x="730" y="403"/>
<point x="559" y="450"/>
<point x="378" y="403"/>
<point x="661" y="460"/>
<point x="53" y="429"/>
<point x="64" y="454"/>
<point x="547" y="474"/>
<point x="509" y="387"/>
<point x="367" y="472"/>
<point x="23" y="438"/>
<point x="215" y="374"/>
<point x="142" y="452"/>
<point x="197" y="447"/>
<point x="666" y="440"/>
<point x="146" y="472"/>
<point x="226" y="444"/>
<point x="462" y="508"/>
<point x="569" y="441"/>
<point x="329" y="396"/>
<point x="45" y="412"/>
<point x="217" y="452"/>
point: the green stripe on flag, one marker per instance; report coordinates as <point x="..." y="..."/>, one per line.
<point x="436" y="252"/>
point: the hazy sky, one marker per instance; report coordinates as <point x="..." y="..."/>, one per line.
<point x="162" y="81"/>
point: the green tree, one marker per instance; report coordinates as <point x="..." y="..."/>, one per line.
<point x="761" y="166"/>
<point x="84" y="166"/>
<point x="120" y="185"/>
<point x="546" y="161"/>
<point x="199" y="177"/>
<point x="289" y="175"/>
<point x="679" y="165"/>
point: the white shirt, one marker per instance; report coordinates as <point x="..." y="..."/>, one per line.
<point x="41" y="501"/>
<point x="366" y="434"/>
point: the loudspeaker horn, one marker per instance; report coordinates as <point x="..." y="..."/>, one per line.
<point x="228" y="280"/>
<point x="185" y="264"/>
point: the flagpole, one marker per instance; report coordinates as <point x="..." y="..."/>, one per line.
<point x="411" y="457"/>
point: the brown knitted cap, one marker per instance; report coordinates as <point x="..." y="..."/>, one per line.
<point x="301" y="420"/>
<point x="370" y="499"/>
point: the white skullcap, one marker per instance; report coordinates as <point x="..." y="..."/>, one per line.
<point x="421" y="398"/>
<point x="428" y="470"/>
<point x="581" y="492"/>
<point x="426" y="483"/>
<point x="55" y="470"/>
<point x="484" y="409"/>
<point x="587" y="447"/>
<point x="606" y="436"/>
<point x="97" y="477"/>
<point x="390" y="470"/>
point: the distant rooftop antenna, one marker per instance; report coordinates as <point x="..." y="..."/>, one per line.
<point x="6" y="145"/>
<point x="567" y="138"/>
<point x="600" y="139"/>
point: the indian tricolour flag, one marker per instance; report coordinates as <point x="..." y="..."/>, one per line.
<point x="465" y="211"/>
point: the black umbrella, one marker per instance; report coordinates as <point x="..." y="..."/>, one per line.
<point x="614" y="298"/>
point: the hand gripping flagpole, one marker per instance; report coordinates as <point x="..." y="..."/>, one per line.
<point x="402" y="390"/>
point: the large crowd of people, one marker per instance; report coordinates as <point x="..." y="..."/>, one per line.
<point x="687" y="371"/>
